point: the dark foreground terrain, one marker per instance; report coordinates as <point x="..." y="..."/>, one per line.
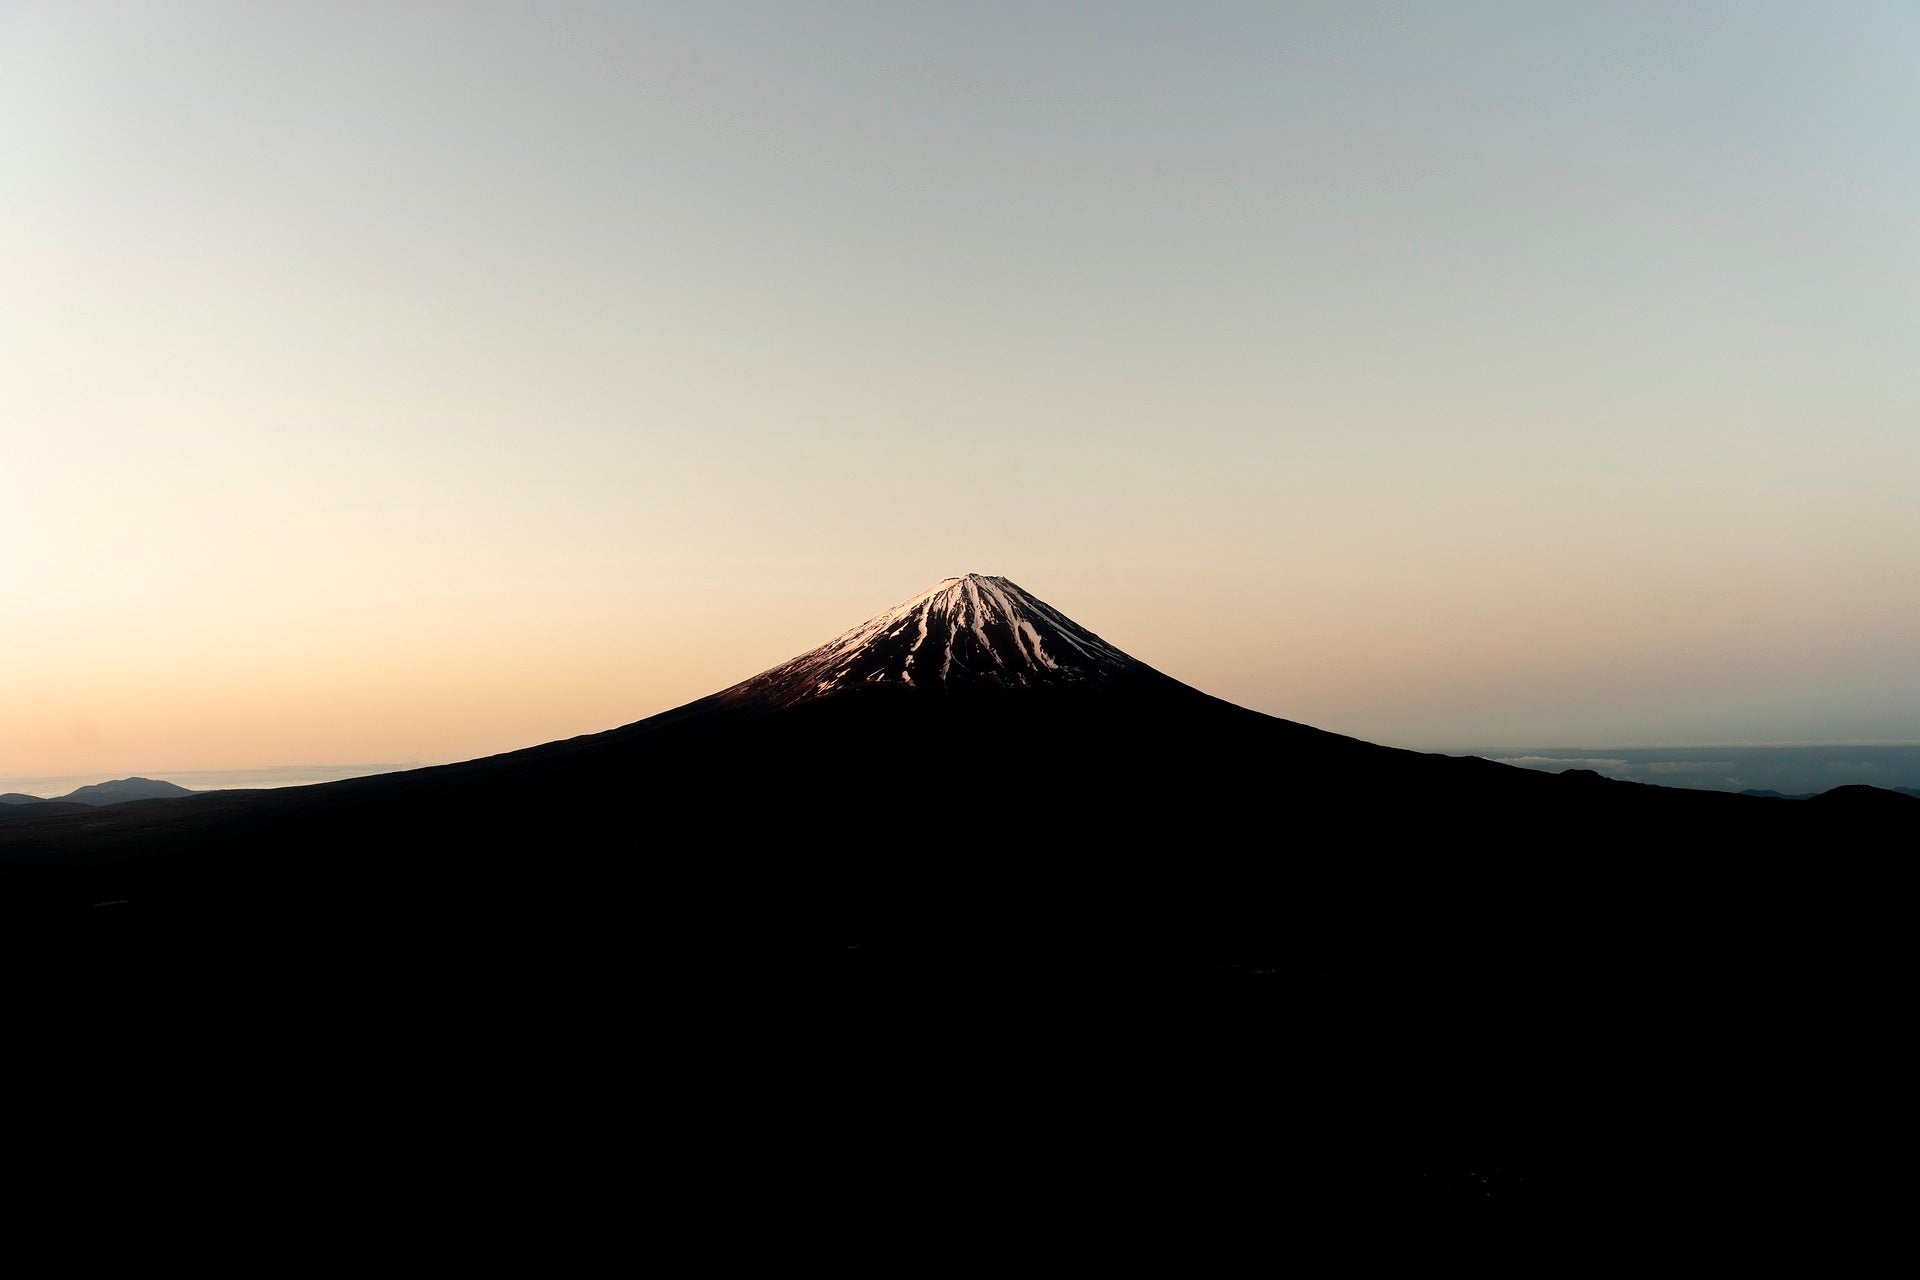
<point x="900" y="978"/>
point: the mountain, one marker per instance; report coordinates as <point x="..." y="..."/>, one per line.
<point x="124" y="789"/>
<point x="972" y="738"/>
<point x="968" y="633"/>
<point x="114" y="792"/>
<point x="968" y="887"/>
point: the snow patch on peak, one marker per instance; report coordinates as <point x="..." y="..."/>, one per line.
<point x="987" y="630"/>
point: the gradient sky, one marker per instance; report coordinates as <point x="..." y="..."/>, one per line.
<point x="399" y="381"/>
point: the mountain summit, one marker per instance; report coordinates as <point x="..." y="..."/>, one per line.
<point x="970" y="632"/>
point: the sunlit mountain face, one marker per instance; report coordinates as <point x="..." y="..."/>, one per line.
<point x="969" y="632"/>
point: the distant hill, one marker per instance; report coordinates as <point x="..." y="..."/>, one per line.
<point x="114" y="792"/>
<point x="1850" y="788"/>
<point x="126" y="789"/>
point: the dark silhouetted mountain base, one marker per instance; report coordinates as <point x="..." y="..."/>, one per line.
<point x="1038" y="933"/>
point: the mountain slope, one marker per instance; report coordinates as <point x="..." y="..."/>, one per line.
<point x="123" y="789"/>
<point x="971" y="696"/>
<point x="34" y="807"/>
<point x="969" y="632"/>
<point x="1039" y="910"/>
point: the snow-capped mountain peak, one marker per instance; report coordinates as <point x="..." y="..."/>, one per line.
<point x="971" y="631"/>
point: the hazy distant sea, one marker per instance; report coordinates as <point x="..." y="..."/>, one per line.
<point x="1790" y="770"/>
<point x="283" y="775"/>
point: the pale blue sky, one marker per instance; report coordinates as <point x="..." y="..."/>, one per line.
<point x="400" y="381"/>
